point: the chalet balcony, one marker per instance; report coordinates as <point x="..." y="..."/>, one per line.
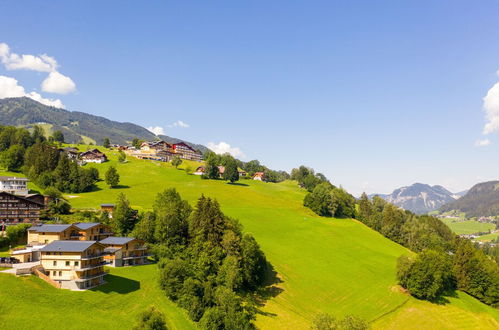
<point x="88" y="277"/>
<point x="92" y="256"/>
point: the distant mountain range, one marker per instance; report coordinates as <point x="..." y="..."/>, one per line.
<point x="420" y="198"/>
<point x="481" y="200"/>
<point x="76" y="126"/>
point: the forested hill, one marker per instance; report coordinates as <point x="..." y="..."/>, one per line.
<point x="76" y="126"/>
<point x="481" y="200"/>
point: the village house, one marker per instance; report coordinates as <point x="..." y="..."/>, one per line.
<point x="108" y="208"/>
<point x="259" y="176"/>
<point x="75" y="265"/>
<point x="71" y="152"/>
<point x="124" y="251"/>
<point x="199" y="171"/>
<point x="158" y="150"/>
<point x="91" y="231"/>
<point x="14" y="185"/>
<point x="48" y="233"/>
<point x="93" y="156"/>
<point x="20" y="209"/>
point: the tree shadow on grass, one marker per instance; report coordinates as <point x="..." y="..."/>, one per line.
<point x="442" y="300"/>
<point x="238" y="184"/>
<point x="270" y="289"/>
<point x="121" y="186"/>
<point x="118" y="284"/>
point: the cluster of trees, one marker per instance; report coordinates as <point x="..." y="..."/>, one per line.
<point x="112" y="177"/>
<point x="307" y="178"/>
<point x="230" y="164"/>
<point x="14" y="235"/>
<point x="206" y="263"/>
<point x="324" y="321"/>
<point x="329" y="201"/>
<point x="42" y="162"/>
<point x="445" y="262"/>
<point x="254" y="166"/>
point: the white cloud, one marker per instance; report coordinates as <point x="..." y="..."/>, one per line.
<point x="482" y="143"/>
<point x="13" y="61"/>
<point x="55" y="81"/>
<point x="10" y="88"/>
<point x="58" y="83"/>
<point x="156" y="130"/>
<point x="223" y="147"/>
<point x="491" y="107"/>
<point x="181" y="124"/>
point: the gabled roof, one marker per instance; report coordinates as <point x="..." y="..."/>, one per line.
<point x="48" y="228"/>
<point x="183" y="144"/>
<point x="68" y="246"/>
<point x="86" y="225"/>
<point x="117" y="240"/>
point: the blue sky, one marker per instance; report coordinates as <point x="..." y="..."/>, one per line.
<point x="375" y="94"/>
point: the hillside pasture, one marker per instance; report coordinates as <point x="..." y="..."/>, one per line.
<point x="468" y="226"/>
<point x="337" y="266"/>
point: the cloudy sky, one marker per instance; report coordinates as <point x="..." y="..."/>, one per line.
<point x="375" y="94"/>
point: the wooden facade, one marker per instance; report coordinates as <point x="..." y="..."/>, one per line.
<point x="19" y="209"/>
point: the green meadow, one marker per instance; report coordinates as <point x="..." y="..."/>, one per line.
<point x="468" y="226"/>
<point x="337" y="266"/>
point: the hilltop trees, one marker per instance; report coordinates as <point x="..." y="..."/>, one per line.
<point x="307" y="178"/>
<point x="231" y="172"/>
<point x="328" y="201"/>
<point x="58" y="137"/>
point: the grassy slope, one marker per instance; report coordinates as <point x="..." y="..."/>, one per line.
<point x="337" y="266"/>
<point x="468" y="226"/>
<point x="114" y="305"/>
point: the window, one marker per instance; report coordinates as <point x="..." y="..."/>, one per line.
<point x="67" y="263"/>
<point x="60" y="273"/>
<point x="55" y="263"/>
<point x="76" y="263"/>
<point x="54" y="273"/>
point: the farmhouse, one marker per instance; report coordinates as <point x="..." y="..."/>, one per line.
<point x="124" y="251"/>
<point x="199" y="171"/>
<point x="109" y="208"/>
<point x="93" y="156"/>
<point x="71" y="152"/>
<point x="14" y="185"/>
<point x="260" y="176"/>
<point x="17" y="209"/>
<point x="75" y="265"/>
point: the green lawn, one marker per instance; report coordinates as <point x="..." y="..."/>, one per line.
<point x="488" y="238"/>
<point x="331" y="265"/>
<point x="468" y="226"/>
<point x="30" y="303"/>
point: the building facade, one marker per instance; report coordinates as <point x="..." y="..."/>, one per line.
<point x="48" y="233"/>
<point x="184" y="151"/>
<point x="125" y="251"/>
<point x="75" y="265"/>
<point x="14" y="185"/>
<point x="18" y="209"/>
<point x="93" y="156"/>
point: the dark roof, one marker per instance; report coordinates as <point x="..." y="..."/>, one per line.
<point x="50" y="228"/>
<point x="117" y="240"/>
<point x="23" y="198"/>
<point x="85" y="225"/>
<point x="68" y="246"/>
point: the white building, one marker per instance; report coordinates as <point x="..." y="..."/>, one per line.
<point x="13" y="185"/>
